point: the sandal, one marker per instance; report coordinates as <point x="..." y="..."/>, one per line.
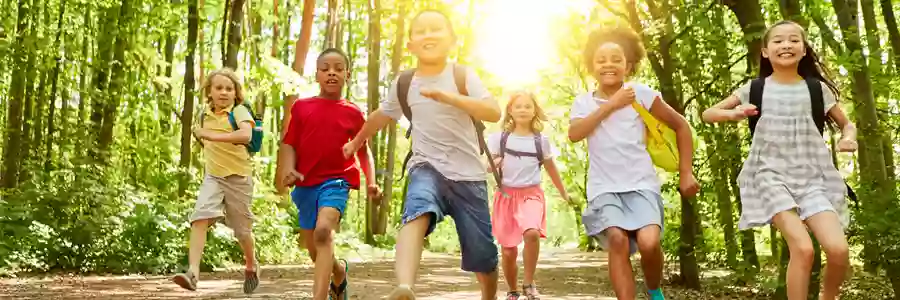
<point x="339" y="292"/>
<point x="531" y="292"/>
<point x="186" y="280"/>
<point x="512" y="295"/>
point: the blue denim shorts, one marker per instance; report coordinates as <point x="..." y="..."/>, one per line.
<point x="466" y="201"/>
<point x="309" y="199"/>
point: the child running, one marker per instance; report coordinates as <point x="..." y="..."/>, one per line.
<point x="227" y="188"/>
<point x="519" y="208"/>
<point x="446" y="174"/>
<point x="625" y="207"/>
<point x="789" y="177"/>
<point x="322" y="177"/>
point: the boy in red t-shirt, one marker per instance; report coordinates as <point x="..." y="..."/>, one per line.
<point x="315" y="165"/>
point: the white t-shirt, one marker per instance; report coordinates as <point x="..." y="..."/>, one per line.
<point x="443" y="135"/>
<point x="619" y="161"/>
<point x="520" y="171"/>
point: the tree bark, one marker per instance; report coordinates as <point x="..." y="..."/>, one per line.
<point x="187" y="113"/>
<point x="749" y="16"/>
<point x="116" y="92"/>
<point x="234" y="33"/>
<point x="890" y="21"/>
<point x="373" y="85"/>
<point x="388" y="185"/>
<point x="54" y="77"/>
<point x="11" y="150"/>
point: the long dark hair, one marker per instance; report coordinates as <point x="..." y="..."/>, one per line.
<point x="809" y="65"/>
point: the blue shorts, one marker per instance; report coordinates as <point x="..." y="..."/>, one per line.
<point x="466" y="201"/>
<point x="310" y="199"/>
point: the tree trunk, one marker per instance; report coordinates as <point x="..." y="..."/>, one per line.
<point x="54" y="77"/>
<point x="373" y="85"/>
<point x="875" y="184"/>
<point x="11" y="163"/>
<point x="105" y="46"/>
<point x="332" y="22"/>
<point x="116" y="92"/>
<point x="890" y="21"/>
<point x="388" y="185"/>
<point x="234" y="33"/>
<point x="84" y="96"/>
<point x="187" y="113"/>
<point x="790" y="10"/>
<point x="749" y="16"/>
<point x="166" y="107"/>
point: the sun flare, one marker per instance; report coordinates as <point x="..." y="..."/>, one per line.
<point x="514" y="38"/>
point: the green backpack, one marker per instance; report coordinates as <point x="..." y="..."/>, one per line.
<point x="255" y="144"/>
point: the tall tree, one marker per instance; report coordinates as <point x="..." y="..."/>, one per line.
<point x="234" y="33"/>
<point x="374" y="86"/>
<point x="187" y="113"/>
<point x="11" y="162"/>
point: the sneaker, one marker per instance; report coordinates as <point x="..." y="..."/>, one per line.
<point x="186" y="280"/>
<point x="251" y="279"/>
<point x="655" y="294"/>
<point x="402" y="292"/>
<point x="531" y="292"/>
<point x="512" y="295"/>
<point x="339" y="292"/>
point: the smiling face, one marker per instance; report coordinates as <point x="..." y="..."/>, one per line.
<point x="785" y="45"/>
<point x="430" y="37"/>
<point x="221" y="92"/>
<point x="522" y="109"/>
<point x="331" y="73"/>
<point x="610" y="65"/>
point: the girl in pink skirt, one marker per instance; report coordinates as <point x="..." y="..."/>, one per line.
<point x="519" y="208"/>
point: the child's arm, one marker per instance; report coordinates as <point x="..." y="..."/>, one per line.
<point x="848" y="130"/>
<point x="240" y="136"/>
<point x="482" y="109"/>
<point x="661" y="110"/>
<point x="550" y="166"/>
<point x="729" y="109"/>
<point x="580" y="128"/>
<point x="365" y="162"/>
<point x="377" y="120"/>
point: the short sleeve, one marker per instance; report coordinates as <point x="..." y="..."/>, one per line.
<point x="241" y="115"/>
<point x="390" y="106"/>
<point x="645" y="95"/>
<point x="292" y="133"/>
<point x="580" y="108"/>
<point x="493" y="143"/>
<point x="548" y="149"/>
<point x="828" y="98"/>
<point x="475" y="87"/>
<point x="358" y="118"/>
<point x="743" y="93"/>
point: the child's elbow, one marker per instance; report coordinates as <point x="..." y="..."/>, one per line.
<point x="574" y="136"/>
<point x="494" y="116"/>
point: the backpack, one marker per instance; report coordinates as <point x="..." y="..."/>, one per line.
<point x="818" y="107"/>
<point x="662" y="142"/>
<point x="255" y="144"/>
<point x="538" y="154"/>
<point x="459" y="77"/>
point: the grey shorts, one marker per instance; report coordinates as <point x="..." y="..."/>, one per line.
<point x="226" y="198"/>
<point x="629" y="211"/>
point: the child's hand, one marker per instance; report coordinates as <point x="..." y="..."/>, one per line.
<point x="290" y="177"/>
<point x="497" y="162"/>
<point x="569" y="200"/>
<point x="350" y="148"/>
<point x="688" y="185"/>
<point x="202" y="134"/>
<point x="846" y="145"/>
<point x="742" y="111"/>
<point x="622" y="98"/>
<point x="437" y="95"/>
<point x="374" y="192"/>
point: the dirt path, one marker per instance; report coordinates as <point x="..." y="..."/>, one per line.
<point x="562" y="274"/>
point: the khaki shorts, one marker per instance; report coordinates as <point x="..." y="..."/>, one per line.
<point x="226" y="198"/>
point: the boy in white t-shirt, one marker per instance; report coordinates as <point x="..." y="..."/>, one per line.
<point x="625" y="209"/>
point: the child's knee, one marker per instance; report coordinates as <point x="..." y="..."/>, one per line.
<point x="617" y="238"/>
<point x="837" y="253"/>
<point x="532" y="236"/>
<point x="322" y="235"/>
<point x="802" y="251"/>
<point x="244" y="234"/>
<point x="510" y="251"/>
<point x="648" y="239"/>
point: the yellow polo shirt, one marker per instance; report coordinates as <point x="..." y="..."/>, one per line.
<point x="223" y="158"/>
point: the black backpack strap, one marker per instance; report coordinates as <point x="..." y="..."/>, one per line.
<point x="459" y="77"/>
<point x="756" y="93"/>
<point x="539" y="149"/>
<point x="503" y="138"/>
<point x="403" y="83"/>
<point x="818" y="103"/>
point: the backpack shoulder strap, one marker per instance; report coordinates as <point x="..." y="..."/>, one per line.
<point x="538" y="148"/>
<point x="232" y="120"/>
<point x="817" y="101"/>
<point x="403" y="83"/>
<point x="756" y="93"/>
<point x="503" y="138"/>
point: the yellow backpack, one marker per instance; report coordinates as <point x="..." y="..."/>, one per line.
<point x="661" y="141"/>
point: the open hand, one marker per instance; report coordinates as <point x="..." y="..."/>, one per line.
<point x="623" y="97"/>
<point x="437" y="95"/>
<point x="846" y="145"/>
<point x="688" y="185"/>
<point x="374" y="192"/>
<point x="291" y="176"/>
<point x="743" y="111"/>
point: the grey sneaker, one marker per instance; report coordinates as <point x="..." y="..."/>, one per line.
<point x="186" y="280"/>
<point x="402" y="292"/>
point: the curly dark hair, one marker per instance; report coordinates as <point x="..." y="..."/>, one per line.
<point x="626" y="38"/>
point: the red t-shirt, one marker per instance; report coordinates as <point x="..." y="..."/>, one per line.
<point x="318" y="130"/>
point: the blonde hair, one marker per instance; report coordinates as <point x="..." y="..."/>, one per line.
<point x="537" y="123"/>
<point x="231" y="75"/>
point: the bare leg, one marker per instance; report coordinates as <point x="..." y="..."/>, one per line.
<point x="800" y="266"/>
<point x="620" y="272"/>
<point x="324" y="244"/>
<point x="488" y="283"/>
<point x="651" y="255"/>
<point x="309" y="243"/>
<point x="409" y="249"/>
<point x="532" y="249"/>
<point x="510" y="269"/>
<point x="827" y="228"/>
<point x="196" y="245"/>
<point x="246" y="242"/>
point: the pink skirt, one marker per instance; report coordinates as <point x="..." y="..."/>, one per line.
<point x="518" y="211"/>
